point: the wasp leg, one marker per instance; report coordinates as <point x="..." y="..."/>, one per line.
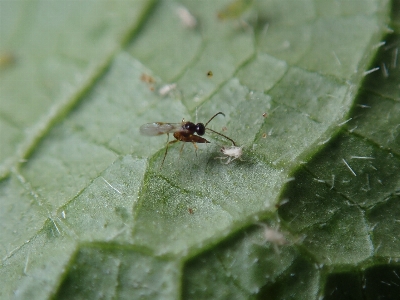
<point x="166" y="149"/>
<point x="195" y="147"/>
<point x="180" y="151"/>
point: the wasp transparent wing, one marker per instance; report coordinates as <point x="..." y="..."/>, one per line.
<point x="158" y="128"/>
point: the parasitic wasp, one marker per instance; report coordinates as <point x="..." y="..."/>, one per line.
<point x="184" y="132"/>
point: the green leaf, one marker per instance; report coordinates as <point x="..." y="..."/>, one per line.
<point x="88" y="210"/>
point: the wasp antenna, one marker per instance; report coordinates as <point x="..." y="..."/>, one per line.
<point x="233" y="142"/>
<point x="218" y="113"/>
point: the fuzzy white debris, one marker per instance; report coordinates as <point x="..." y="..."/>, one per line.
<point x="187" y="19"/>
<point x="231" y="153"/>
<point x="333" y="182"/>
<point x="347" y="165"/>
<point x="63" y="214"/>
<point x="370" y="71"/>
<point x="111" y="186"/>
<point x="166" y="89"/>
<point x="362" y="157"/>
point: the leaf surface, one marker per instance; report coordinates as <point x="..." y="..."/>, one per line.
<point x="86" y="211"/>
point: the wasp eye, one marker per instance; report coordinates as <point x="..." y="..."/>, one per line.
<point x="200" y="128"/>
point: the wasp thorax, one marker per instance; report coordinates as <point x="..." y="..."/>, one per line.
<point x="189" y="126"/>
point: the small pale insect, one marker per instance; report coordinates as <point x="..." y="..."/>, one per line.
<point x="166" y="89"/>
<point x="232" y="153"/>
<point x="187" y="19"/>
<point x="274" y="236"/>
